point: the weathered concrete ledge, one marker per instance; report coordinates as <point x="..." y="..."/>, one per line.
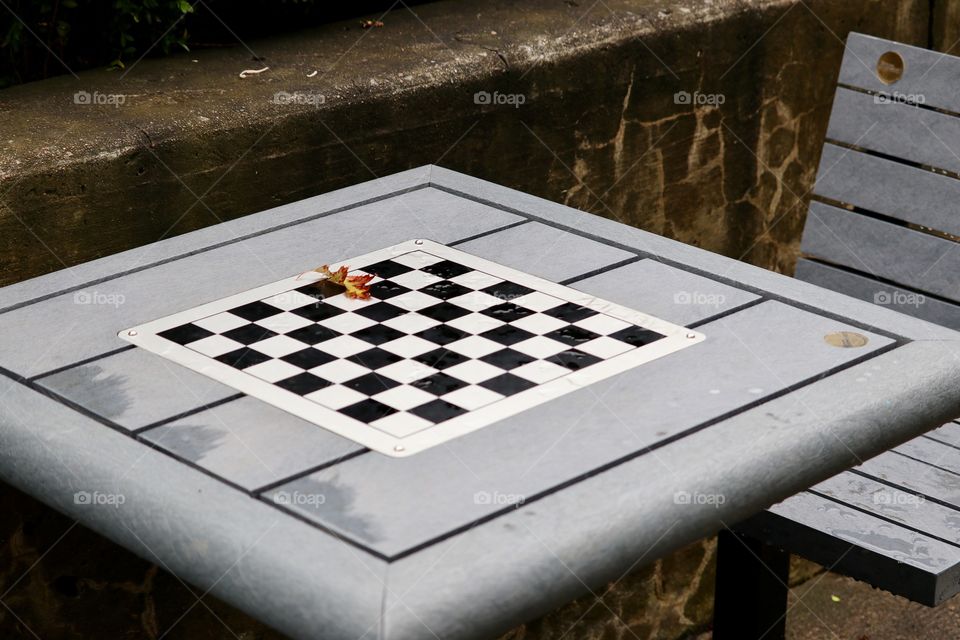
<point x="599" y="129"/>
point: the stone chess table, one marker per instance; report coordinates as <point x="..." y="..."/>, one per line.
<point x="533" y="401"/>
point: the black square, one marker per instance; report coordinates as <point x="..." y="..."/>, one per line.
<point x="313" y="334"/>
<point x="256" y="311"/>
<point x="507" y="312"/>
<point x="573" y="359"/>
<point x="445" y="289"/>
<point x="368" y="410"/>
<point x="570" y="312"/>
<point x="442" y="334"/>
<point x="637" y="336"/>
<point x="572" y="335"/>
<point x="375" y="358"/>
<point x="317" y="312"/>
<point x="444" y="312"/>
<point x="507" y="334"/>
<point x="185" y="334"/>
<point x="507" y="384"/>
<point x="322" y="289"/>
<point x="243" y="358"/>
<point x="437" y="411"/>
<point x="387" y="269"/>
<point x="507" y="291"/>
<point x="446" y="269"/>
<point x="249" y="333"/>
<point x="378" y="334"/>
<point x="308" y="358"/>
<point x="441" y="358"/>
<point x="386" y="289"/>
<point x="379" y="311"/>
<point x="371" y="384"/>
<point x="303" y="383"/>
<point x="507" y="359"/>
<point x="439" y="384"/>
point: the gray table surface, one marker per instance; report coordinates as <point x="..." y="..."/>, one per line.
<point x="467" y="539"/>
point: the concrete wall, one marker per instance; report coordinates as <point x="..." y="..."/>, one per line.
<point x="599" y="129"/>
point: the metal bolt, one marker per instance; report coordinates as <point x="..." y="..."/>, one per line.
<point x="399" y="447"/>
<point x="418" y="242"/>
<point x="132" y="332"/>
<point x="691" y="336"/>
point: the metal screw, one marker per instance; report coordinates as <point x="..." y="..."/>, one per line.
<point x="132" y="332"/>
<point x="399" y="447"/>
<point x="691" y="336"/>
<point x="418" y="242"/>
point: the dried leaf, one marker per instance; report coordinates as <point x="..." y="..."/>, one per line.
<point x="356" y="285"/>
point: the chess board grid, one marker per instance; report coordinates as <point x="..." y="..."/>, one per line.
<point x="409" y="433"/>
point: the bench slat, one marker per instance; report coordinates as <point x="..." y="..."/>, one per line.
<point x="896" y="129"/>
<point x="896" y="190"/>
<point x="948" y="434"/>
<point x="923" y="262"/>
<point x="864" y="288"/>
<point x="928" y="73"/>
<point x="914" y="475"/>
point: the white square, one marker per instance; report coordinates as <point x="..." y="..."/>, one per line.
<point x="475" y="323"/>
<point x="284" y="322"/>
<point x="406" y="371"/>
<point x="539" y="323"/>
<point x="415" y="279"/>
<point x="537" y="301"/>
<point x="343" y="346"/>
<point x="408" y="346"/>
<point x="540" y="371"/>
<point x="341" y="301"/>
<point x="273" y="370"/>
<point x="215" y="345"/>
<point x="602" y="324"/>
<point x="279" y="346"/>
<point x="404" y="397"/>
<point x="347" y="322"/>
<point x="476" y="280"/>
<point x="290" y="300"/>
<point x="410" y="323"/>
<point x="474" y="346"/>
<point x="336" y="396"/>
<point x="221" y="322"/>
<point x="539" y="347"/>
<point x="417" y="259"/>
<point x="476" y="301"/>
<point x="339" y="371"/>
<point x="473" y="371"/>
<point x="472" y="397"/>
<point x="401" y="424"/>
<point x="413" y="300"/>
<point x="604" y="347"/>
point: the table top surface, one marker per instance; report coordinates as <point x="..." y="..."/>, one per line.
<point x="522" y="502"/>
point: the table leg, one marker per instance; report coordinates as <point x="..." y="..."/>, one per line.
<point x="750" y="599"/>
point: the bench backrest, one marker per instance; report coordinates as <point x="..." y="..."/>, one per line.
<point x="884" y="221"/>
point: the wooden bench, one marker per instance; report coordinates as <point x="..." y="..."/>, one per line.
<point x="883" y="226"/>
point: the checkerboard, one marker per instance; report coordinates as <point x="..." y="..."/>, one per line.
<point x="447" y="343"/>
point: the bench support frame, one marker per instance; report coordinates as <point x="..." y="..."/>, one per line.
<point x="750" y="600"/>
